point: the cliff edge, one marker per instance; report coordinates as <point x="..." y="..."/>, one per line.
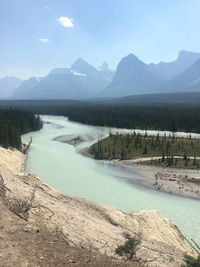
<point x="82" y="224"/>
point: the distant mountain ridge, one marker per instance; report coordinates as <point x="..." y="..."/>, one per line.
<point x="168" y="70"/>
<point x="7" y="85"/>
<point x="132" y="77"/>
<point x="188" y="79"/>
<point x="78" y="82"/>
<point x="157" y="98"/>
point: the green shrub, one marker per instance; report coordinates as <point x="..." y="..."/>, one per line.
<point x="129" y="248"/>
<point x="192" y="262"/>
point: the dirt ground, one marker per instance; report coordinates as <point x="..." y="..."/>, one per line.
<point x="25" y="245"/>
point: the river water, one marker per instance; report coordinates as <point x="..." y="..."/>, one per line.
<point x="65" y="169"/>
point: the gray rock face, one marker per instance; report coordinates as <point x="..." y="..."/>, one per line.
<point x="81" y="81"/>
<point x="168" y="70"/>
<point x="189" y="80"/>
<point x="133" y="77"/>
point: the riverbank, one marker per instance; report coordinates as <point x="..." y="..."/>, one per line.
<point x="81" y="223"/>
<point x="176" y="181"/>
<point x="180" y="182"/>
<point x="183" y="182"/>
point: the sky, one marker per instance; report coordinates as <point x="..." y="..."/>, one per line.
<point x="39" y="35"/>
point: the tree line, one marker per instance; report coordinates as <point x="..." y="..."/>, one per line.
<point x="147" y="117"/>
<point x="171" y="117"/>
<point x="135" y="145"/>
<point x="14" y="123"/>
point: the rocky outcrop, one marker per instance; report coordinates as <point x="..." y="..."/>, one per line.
<point x="87" y="224"/>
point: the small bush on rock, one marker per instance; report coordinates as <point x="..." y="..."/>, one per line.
<point x="192" y="262"/>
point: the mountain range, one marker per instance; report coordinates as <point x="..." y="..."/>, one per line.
<point x="7" y="86"/>
<point x="168" y="70"/>
<point x="132" y="77"/>
<point x="78" y="82"/>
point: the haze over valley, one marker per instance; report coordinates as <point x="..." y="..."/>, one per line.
<point x="132" y="77"/>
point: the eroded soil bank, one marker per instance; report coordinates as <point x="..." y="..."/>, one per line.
<point x="92" y="229"/>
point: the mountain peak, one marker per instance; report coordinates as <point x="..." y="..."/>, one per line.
<point x="132" y="77"/>
<point x="79" y="63"/>
<point x="132" y="57"/>
<point x="82" y="66"/>
<point x="104" y="66"/>
<point x="131" y="61"/>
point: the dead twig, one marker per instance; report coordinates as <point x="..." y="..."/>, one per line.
<point x="20" y="207"/>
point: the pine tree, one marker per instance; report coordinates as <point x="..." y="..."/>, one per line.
<point x="185" y="157"/>
<point x="163" y="156"/>
<point x="145" y="150"/>
<point x="113" y="153"/>
<point x="122" y="154"/>
<point x="194" y="161"/>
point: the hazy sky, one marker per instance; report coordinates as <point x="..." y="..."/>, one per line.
<point x="38" y="35"/>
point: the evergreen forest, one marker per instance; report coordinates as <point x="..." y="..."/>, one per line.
<point x="14" y="123"/>
<point x="172" y="150"/>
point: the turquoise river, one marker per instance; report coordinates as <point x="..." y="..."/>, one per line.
<point x="62" y="167"/>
